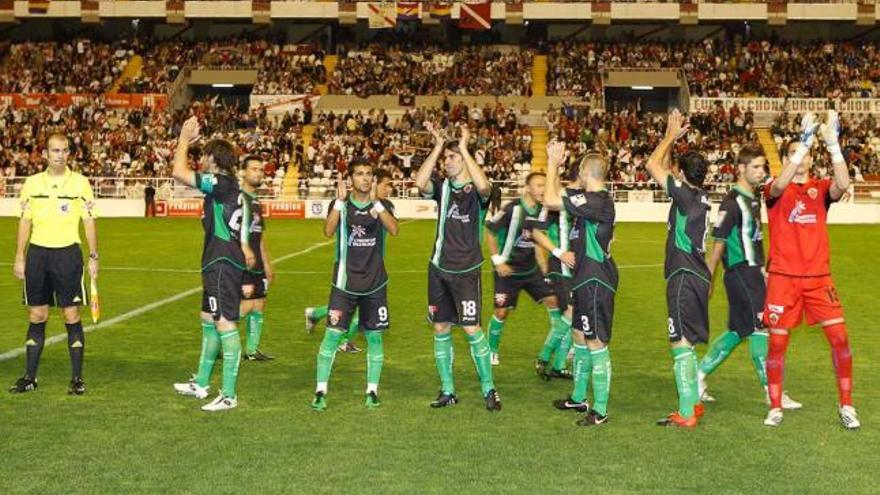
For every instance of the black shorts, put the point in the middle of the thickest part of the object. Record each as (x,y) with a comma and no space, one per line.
(454,297)
(507,289)
(260,284)
(746,293)
(221,291)
(593,313)
(687,301)
(561,287)
(373,310)
(54,277)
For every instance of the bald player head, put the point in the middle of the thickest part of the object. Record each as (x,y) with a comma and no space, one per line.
(57,152)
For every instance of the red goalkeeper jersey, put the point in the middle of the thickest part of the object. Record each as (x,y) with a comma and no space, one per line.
(798,229)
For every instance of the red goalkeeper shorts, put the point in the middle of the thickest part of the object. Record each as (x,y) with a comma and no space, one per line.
(790,298)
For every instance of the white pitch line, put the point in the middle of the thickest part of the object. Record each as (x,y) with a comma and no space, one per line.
(148,307)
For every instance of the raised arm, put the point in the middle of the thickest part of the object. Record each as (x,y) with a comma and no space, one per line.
(481,182)
(332,220)
(658,164)
(830,132)
(423,176)
(553,189)
(809,126)
(189,134)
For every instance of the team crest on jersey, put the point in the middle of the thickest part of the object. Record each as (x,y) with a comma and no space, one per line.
(500,299)
(467,189)
(334,315)
(773,318)
(813,193)
(374,213)
(64,208)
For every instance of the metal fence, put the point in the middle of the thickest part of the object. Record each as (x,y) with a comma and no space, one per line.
(166,188)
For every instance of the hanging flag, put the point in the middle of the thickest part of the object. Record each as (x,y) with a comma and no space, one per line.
(38,6)
(441,10)
(475,16)
(382,15)
(409,11)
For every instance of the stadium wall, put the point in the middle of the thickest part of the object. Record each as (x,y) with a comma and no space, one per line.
(634,211)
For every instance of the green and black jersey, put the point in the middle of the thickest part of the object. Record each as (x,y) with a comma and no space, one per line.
(359,267)
(226,220)
(512,227)
(739,227)
(458,240)
(557,226)
(687,229)
(592,230)
(256,231)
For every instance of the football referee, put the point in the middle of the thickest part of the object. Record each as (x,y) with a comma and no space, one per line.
(51,205)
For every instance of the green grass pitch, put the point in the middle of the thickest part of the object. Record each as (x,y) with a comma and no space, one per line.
(132,434)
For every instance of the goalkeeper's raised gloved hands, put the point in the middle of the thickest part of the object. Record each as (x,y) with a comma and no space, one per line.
(809,126)
(830,132)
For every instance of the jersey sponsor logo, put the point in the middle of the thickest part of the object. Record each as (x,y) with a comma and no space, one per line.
(358,238)
(455,214)
(797,214)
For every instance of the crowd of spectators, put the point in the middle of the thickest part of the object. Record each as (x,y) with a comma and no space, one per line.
(396,69)
(627,137)
(859,139)
(725,68)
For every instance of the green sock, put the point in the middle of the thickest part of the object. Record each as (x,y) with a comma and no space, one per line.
(254,330)
(601,379)
(496,327)
(319,312)
(582,368)
(560,359)
(443,358)
(352,331)
(684,368)
(758,345)
(375,359)
(231,343)
(326,355)
(210,350)
(554,336)
(480,353)
(719,351)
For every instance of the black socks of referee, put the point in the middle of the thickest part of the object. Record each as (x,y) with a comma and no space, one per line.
(76,343)
(36,338)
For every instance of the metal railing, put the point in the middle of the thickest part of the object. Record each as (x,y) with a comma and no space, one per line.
(167,188)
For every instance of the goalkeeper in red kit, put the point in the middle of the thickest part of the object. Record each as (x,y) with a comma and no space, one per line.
(799,281)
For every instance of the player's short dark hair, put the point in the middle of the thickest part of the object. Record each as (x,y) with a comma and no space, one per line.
(250,158)
(534,175)
(359,162)
(694,167)
(224,155)
(382,174)
(748,153)
(786,146)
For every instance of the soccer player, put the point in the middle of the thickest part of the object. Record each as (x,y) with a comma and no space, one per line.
(255,284)
(799,280)
(595,280)
(315,314)
(51,205)
(516,267)
(454,292)
(687,274)
(226,254)
(550,234)
(359,221)
(738,244)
